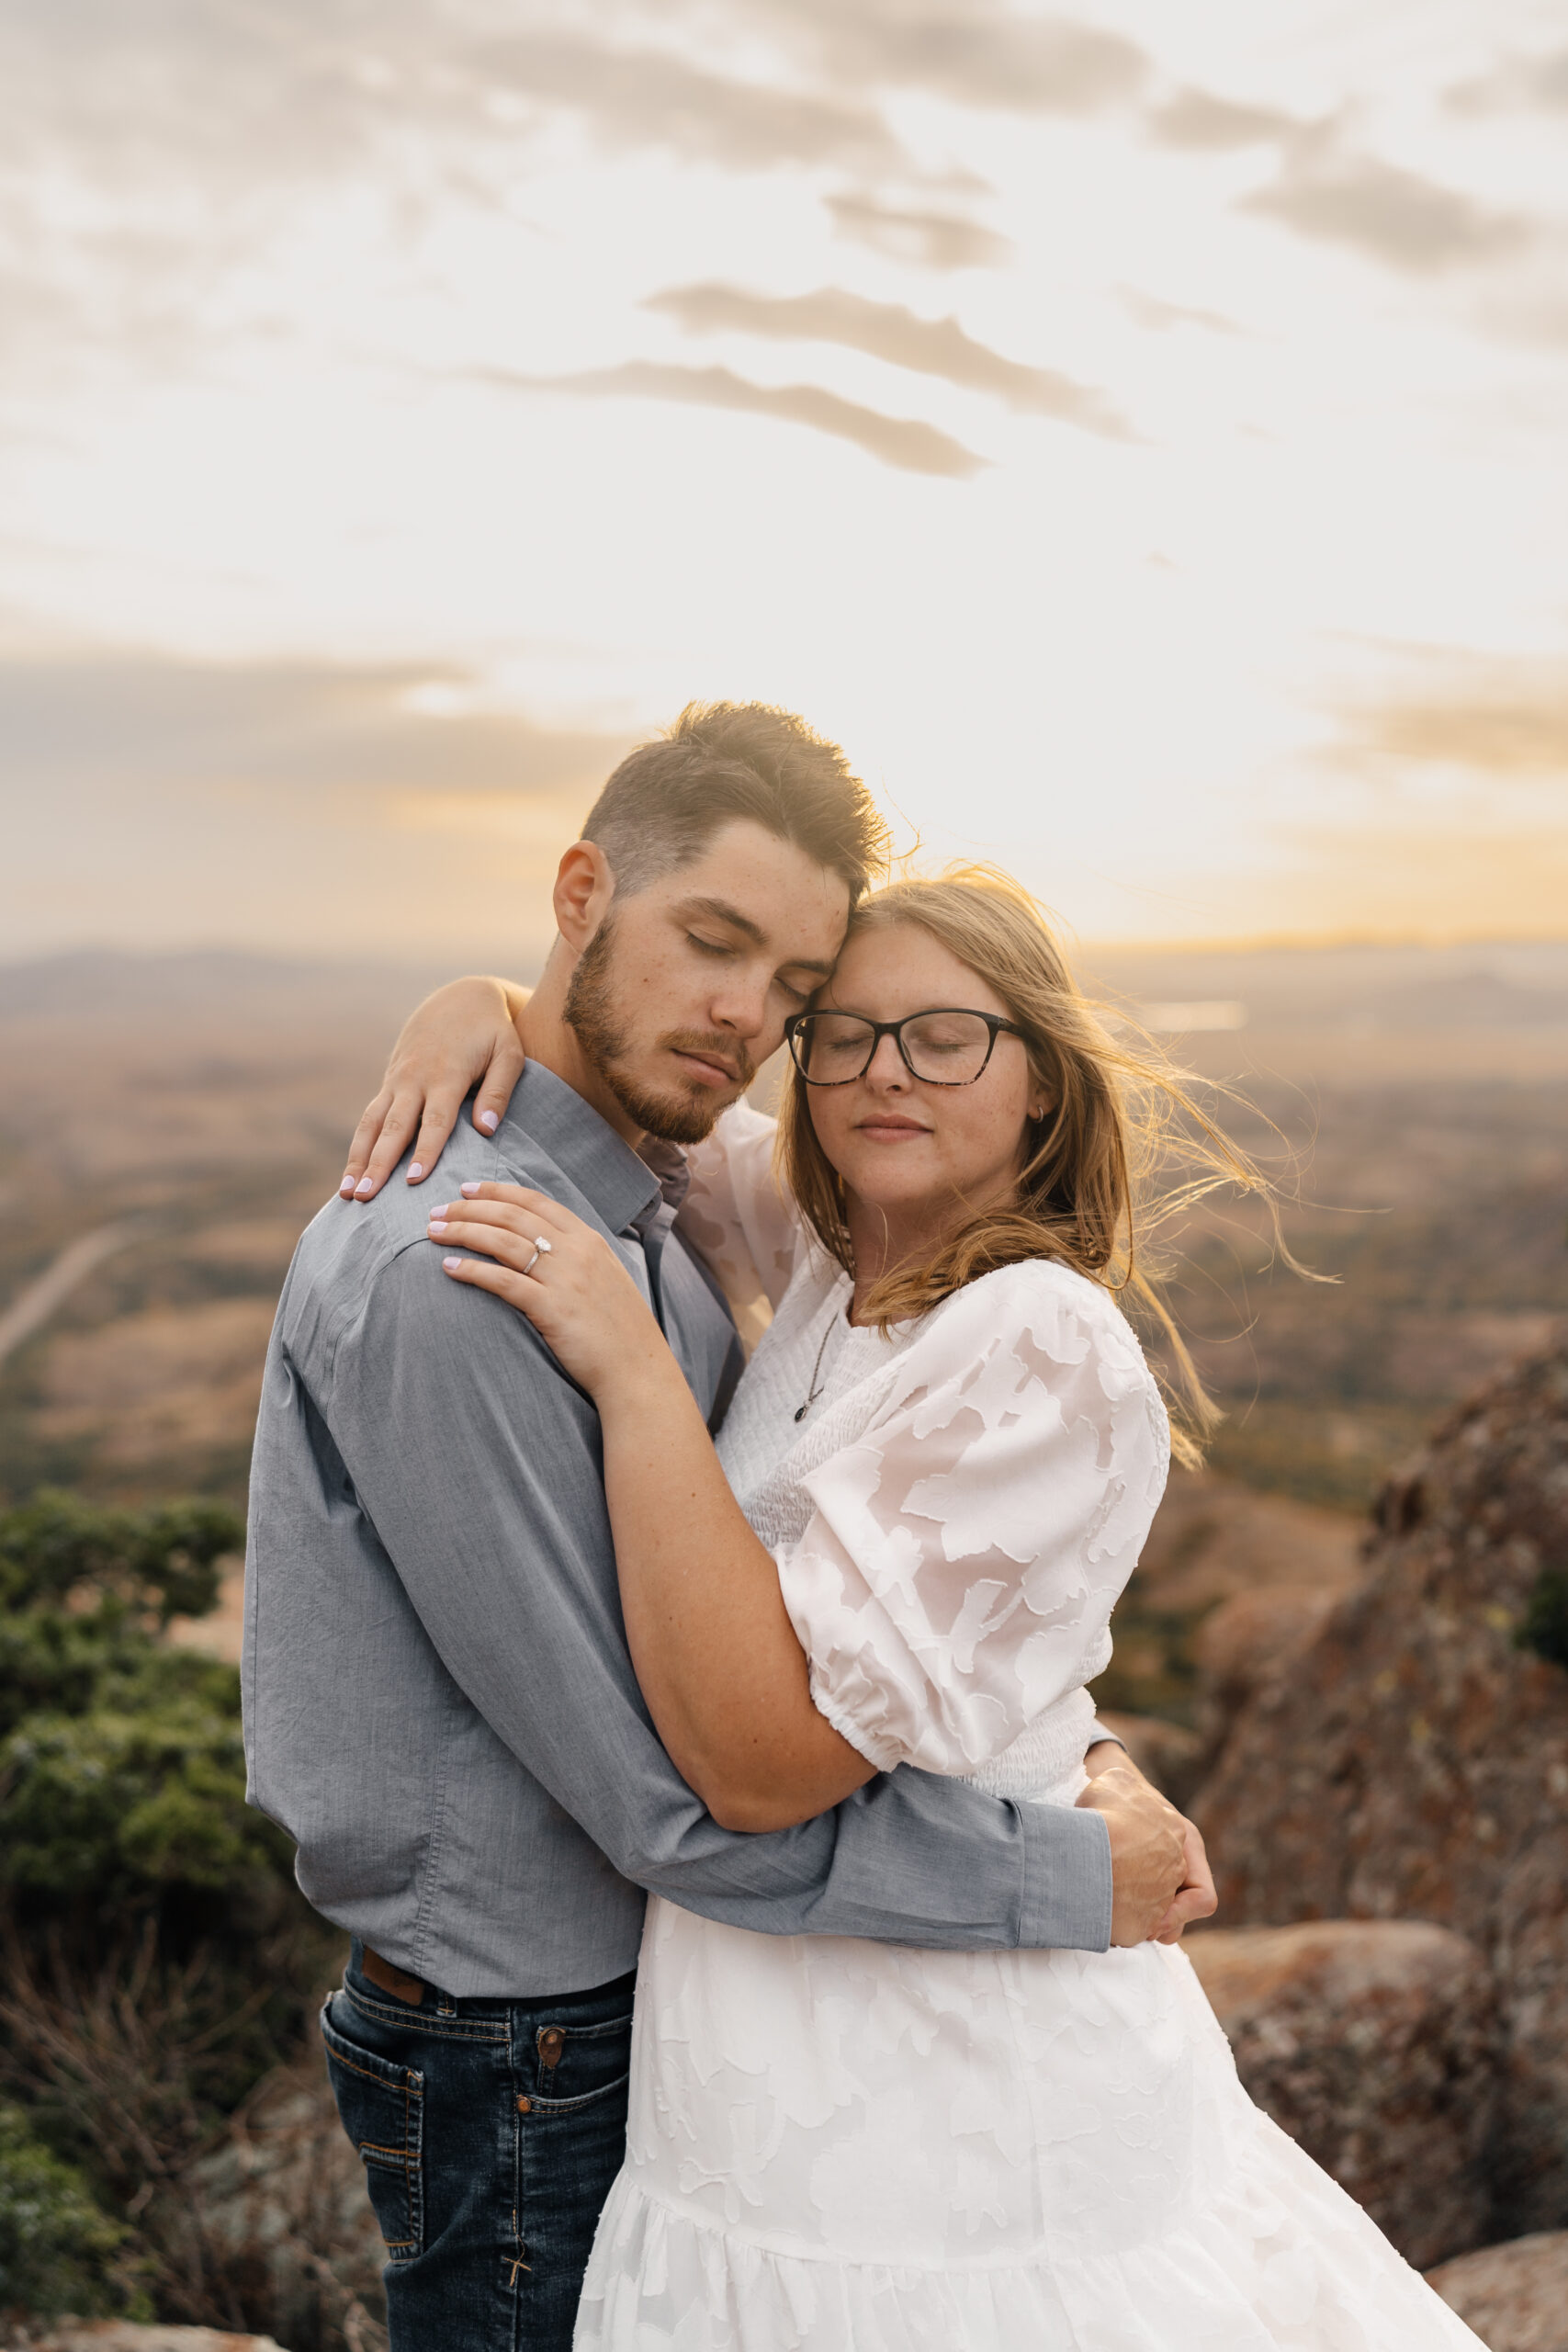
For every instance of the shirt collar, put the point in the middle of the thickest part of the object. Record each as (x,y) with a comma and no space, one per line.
(549,1114)
(671,1167)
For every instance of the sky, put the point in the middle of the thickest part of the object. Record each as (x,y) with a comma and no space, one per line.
(1139,436)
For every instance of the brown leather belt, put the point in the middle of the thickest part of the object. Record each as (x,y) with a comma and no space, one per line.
(392,1980)
(410,1989)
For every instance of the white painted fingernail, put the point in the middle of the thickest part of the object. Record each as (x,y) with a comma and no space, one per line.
(450,1265)
(488,1121)
(468,1191)
(416,1170)
(438,1225)
(364,1186)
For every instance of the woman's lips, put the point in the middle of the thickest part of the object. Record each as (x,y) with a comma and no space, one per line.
(891,1130)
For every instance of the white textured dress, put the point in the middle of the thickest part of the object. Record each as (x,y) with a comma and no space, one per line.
(853,2147)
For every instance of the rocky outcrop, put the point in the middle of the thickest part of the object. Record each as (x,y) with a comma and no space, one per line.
(1245,1644)
(124,2335)
(1374,2044)
(280,2215)
(1168,1754)
(1412,1762)
(1514,2296)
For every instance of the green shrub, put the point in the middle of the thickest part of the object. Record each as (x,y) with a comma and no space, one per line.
(56,2244)
(160,1562)
(1544,1626)
(122,1772)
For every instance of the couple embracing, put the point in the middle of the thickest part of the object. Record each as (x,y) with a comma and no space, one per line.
(583,1662)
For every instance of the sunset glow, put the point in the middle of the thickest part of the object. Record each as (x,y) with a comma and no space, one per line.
(1140,439)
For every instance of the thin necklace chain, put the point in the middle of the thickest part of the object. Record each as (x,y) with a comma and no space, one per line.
(814,1390)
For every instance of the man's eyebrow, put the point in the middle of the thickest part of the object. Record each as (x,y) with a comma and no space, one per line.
(720,911)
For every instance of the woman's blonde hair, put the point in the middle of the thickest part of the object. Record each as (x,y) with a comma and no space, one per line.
(1123,1145)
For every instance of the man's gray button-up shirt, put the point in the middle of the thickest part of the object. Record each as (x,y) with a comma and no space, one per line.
(439,1703)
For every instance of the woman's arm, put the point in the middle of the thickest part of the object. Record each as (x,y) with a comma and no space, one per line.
(464,1035)
(740,1220)
(724,1676)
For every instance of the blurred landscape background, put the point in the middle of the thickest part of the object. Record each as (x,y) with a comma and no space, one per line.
(168,1124)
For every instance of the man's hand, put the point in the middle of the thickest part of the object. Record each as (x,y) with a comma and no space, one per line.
(1159,1873)
(1195,1898)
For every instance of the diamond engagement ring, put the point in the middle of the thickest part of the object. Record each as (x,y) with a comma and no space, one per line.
(541,1250)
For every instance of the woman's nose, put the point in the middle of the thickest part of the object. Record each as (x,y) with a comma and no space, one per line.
(887,1066)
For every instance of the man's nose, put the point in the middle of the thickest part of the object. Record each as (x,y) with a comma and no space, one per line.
(741,1004)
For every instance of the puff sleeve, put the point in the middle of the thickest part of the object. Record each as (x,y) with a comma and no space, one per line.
(958,1572)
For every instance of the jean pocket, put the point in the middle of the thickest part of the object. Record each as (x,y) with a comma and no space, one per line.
(580,2065)
(382,2109)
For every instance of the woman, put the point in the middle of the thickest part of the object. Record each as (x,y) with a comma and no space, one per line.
(941,1462)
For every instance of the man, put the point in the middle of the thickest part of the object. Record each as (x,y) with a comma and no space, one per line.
(440,1707)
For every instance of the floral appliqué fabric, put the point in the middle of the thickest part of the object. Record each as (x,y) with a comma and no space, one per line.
(853,2147)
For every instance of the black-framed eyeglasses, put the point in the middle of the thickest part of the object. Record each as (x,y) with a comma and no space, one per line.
(948,1045)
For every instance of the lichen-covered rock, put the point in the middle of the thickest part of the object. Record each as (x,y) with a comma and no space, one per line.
(1513,2296)
(1412,1763)
(1248,1640)
(279,2212)
(1165,1753)
(1374,2044)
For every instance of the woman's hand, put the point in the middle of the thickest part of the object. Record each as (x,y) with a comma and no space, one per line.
(465,1034)
(575,1291)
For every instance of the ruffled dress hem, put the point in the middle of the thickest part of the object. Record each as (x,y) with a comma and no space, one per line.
(1279,2259)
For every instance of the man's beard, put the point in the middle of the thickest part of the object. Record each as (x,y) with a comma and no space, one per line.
(590,1012)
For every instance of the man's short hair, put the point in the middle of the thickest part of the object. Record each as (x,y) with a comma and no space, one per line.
(724,761)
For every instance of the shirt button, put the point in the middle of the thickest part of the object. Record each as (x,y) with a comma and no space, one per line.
(524,2106)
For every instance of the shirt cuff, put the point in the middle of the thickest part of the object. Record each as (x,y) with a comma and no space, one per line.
(1067,1892)
(1099,1732)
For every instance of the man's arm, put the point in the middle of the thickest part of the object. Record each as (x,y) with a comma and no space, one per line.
(477,1464)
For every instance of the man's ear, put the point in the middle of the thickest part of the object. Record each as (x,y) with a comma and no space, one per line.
(584,888)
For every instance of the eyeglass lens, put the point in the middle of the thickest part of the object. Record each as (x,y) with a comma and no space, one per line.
(947,1049)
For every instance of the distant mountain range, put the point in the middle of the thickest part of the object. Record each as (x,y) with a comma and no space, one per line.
(1505,985)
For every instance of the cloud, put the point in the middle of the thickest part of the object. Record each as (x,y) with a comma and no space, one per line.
(1151,310)
(905,442)
(981,54)
(888,331)
(314,806)
(934,240)
(1503,721)
(1325,191)
(134,719)
(633,98)
(1515,83)
(305,92)
(1197,118)
(1468,879)
(987,56)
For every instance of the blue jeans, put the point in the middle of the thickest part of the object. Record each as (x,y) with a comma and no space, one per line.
(489,2132)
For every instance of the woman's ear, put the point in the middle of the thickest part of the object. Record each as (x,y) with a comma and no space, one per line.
(585,885)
